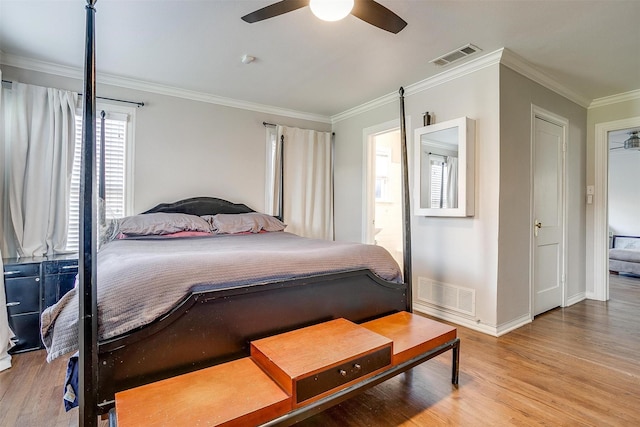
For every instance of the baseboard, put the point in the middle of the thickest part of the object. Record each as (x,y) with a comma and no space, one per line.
(513,324)
(495,331)
(581,296)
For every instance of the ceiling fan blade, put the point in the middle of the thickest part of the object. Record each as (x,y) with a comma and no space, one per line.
(376,14)
(275,9)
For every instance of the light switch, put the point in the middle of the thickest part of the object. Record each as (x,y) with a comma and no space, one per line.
(591,190)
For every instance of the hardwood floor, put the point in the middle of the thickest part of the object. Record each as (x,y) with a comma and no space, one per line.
(577,366)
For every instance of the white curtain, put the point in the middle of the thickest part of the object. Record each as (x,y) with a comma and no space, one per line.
(41,135)
(308,182)
(452,181)
(5,332)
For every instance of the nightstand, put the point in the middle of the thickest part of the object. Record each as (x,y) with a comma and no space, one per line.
(31,285)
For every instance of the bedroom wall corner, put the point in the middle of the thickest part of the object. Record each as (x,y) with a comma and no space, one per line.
(461,252)
(517,95)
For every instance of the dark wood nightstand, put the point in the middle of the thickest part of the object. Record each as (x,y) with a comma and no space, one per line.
(31,285)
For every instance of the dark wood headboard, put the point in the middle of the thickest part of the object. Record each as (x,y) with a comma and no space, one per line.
(201,206)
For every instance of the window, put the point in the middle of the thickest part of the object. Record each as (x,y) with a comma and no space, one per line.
(272,177)
(118,161)
(439,178)
(383,162)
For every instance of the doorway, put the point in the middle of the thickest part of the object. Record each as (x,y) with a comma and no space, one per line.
(382,224)
(599,289)
(548,211)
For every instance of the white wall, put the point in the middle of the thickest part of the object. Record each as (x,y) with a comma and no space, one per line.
(517,95)
(186,148)
(489,253)
(456,251)
(624,192)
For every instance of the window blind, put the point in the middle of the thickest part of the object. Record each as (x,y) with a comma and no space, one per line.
(439,178)
(115,168)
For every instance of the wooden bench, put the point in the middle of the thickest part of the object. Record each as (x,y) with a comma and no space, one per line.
(290,376)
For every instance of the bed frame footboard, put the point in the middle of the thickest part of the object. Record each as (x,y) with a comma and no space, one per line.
(214,326)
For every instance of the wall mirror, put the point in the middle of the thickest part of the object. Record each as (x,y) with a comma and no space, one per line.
(445,172)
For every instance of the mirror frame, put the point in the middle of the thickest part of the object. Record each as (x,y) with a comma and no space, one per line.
(466,168)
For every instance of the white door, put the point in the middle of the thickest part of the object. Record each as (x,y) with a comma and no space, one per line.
(548,215)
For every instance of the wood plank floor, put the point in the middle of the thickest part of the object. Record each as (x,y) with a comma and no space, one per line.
(577,366)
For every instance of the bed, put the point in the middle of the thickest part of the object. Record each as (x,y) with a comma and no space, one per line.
(175,295)
(209,325)
(624,255)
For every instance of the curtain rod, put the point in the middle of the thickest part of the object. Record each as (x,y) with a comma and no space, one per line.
(139,104)
(271,124)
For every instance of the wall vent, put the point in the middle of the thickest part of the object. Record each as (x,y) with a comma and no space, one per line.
(456,55)
(447,297)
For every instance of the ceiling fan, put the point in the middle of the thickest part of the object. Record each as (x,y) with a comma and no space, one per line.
(633,143)
(332,10)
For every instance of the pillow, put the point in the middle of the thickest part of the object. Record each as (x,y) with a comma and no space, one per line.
(238,223)
(122,236)
(161,223)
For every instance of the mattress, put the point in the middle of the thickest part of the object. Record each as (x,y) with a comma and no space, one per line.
(139,280)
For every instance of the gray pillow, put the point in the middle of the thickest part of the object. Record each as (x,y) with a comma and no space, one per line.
(161,223)
(253,222)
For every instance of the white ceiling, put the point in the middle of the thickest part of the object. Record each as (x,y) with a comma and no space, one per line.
(307,65)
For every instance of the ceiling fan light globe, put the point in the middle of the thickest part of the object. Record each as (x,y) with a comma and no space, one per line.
(331,10)
(633,143)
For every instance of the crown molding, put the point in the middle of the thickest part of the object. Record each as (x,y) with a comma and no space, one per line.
(114,80)
(443,77)
(614,99)
(470,67)
(522,66)
(501,56)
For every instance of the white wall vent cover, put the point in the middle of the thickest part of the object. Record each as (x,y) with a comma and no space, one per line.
(447,297)
(456,55)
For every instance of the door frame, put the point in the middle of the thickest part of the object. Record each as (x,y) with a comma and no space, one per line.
(600,260)
(564,124)
(368,180)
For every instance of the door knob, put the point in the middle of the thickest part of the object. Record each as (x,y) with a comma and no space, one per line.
(537,225)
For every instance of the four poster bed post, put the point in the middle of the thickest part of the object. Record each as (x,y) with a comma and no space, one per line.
(88,320)
(89,381)
(406,211)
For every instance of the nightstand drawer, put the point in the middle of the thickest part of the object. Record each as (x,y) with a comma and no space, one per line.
(23,295)
(59,276)
(21,270)
(61,266)
(26,327)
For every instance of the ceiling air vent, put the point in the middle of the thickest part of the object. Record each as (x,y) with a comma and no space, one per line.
(456,55)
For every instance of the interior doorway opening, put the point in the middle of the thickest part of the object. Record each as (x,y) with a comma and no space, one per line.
(623,201)
(383,189)
(598,287)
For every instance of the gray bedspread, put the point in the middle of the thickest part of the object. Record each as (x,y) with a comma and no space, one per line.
(139,280)
(629,255)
